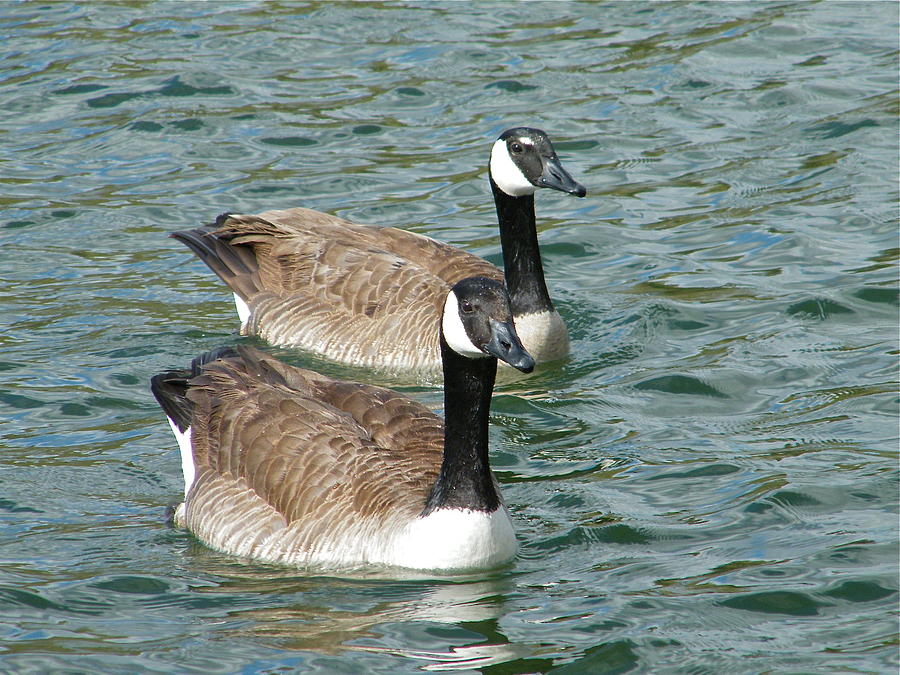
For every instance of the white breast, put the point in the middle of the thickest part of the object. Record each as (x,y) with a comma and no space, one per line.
(456,539)
(544,335)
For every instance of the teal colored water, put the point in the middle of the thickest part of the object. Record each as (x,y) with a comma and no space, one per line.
(708,485)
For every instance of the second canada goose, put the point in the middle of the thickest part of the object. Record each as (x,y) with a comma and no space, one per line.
(366,295)
(286,465)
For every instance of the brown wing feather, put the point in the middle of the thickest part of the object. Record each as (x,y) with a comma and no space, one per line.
(354,293)
(282,448)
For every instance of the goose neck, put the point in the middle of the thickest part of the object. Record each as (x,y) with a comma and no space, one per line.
(465,480)
(522,265)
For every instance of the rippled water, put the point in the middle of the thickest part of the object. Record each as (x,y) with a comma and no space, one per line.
(708,485)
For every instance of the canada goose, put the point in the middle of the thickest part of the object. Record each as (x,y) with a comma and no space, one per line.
(286,465)
(366,295)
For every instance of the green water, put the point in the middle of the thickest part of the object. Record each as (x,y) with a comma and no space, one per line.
(708,485)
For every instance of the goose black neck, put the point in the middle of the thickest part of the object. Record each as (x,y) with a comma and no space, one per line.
(521,255)
(465,480)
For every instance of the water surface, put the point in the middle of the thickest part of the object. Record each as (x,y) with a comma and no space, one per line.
(708,485)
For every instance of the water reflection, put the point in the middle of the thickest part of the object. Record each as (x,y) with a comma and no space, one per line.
(332,614)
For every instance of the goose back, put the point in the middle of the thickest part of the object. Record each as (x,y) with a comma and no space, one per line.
(353,293)
(261,429)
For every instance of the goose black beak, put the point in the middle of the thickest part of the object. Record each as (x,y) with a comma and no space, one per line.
(556,177)
(506,346)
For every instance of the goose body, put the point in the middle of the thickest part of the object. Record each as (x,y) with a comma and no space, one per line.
(286,465)
(366,295)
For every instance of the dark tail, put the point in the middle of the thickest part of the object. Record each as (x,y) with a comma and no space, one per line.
(235,264)
(170,388)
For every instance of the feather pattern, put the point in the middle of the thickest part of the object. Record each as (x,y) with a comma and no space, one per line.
(353,293)
(255,423)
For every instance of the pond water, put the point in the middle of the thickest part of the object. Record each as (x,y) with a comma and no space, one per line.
(708,484)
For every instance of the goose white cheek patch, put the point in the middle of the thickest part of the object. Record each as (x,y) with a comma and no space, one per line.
(506,174)
(454,331)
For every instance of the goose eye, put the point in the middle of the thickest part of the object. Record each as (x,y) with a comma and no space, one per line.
(515,147)
(467,307)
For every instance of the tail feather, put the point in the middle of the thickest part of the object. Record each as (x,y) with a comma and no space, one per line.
(170,390)
(170,387)
(235,264)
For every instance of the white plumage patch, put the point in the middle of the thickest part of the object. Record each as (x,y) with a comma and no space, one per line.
(242,309)
(455,333)
(446,539)
(455,539)
(506,174)
(543,334)
(187,454)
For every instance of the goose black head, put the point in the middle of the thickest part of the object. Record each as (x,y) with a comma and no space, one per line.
(478,323)
(523,160)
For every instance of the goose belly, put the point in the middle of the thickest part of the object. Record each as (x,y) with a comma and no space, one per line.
(399,345)
(446,539)
(543,334)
